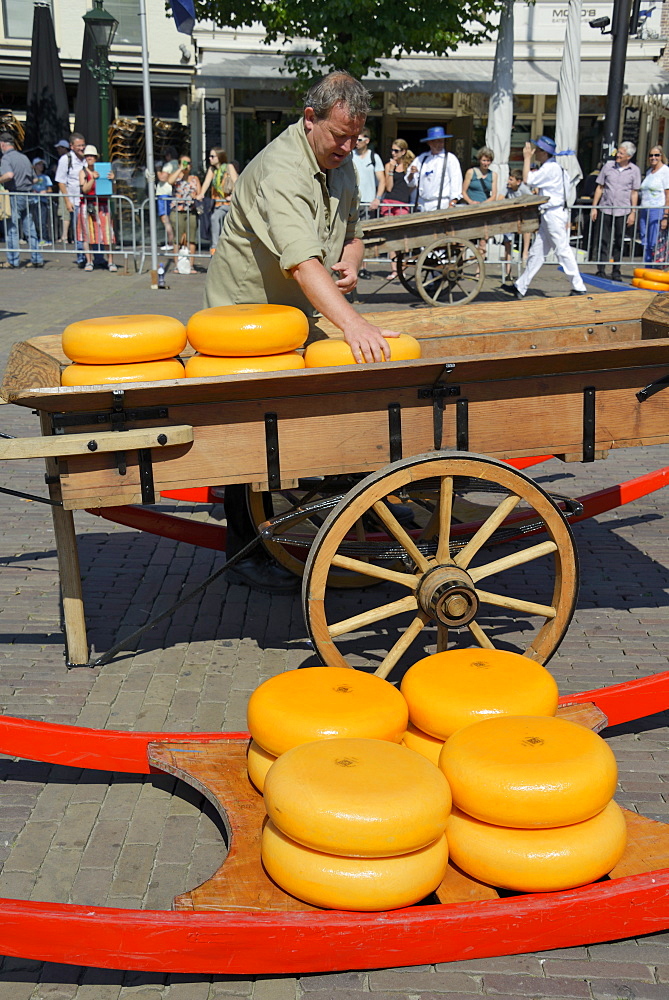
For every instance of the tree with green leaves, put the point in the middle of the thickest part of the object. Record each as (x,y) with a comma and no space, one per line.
(356,34)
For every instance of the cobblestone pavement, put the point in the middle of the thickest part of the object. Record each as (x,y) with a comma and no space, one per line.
(88,837)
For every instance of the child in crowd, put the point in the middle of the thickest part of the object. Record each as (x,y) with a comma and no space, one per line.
(42,185)
(164,202)
(514,189)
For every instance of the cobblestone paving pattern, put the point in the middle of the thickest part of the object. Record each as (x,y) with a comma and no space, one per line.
(88,837)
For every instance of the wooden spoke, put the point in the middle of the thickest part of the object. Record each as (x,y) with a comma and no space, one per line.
(442,638)
(515,559)
(380,572)
(480,635)
(488,528)
(375,615)
(445,514)
(402,644)
(501,601)
(398,532)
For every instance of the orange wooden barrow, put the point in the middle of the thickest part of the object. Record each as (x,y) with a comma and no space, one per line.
(240,923)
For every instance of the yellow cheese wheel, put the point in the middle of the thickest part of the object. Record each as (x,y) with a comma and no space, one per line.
(449,690)
(321,702)
(654,286)
(121,340)
(357,798)
(142,371)
(651,274)
(329,353)
(352,883)
(247,330)
(258,763)
(538,860)
(204,366)
(424,744)
(529,772)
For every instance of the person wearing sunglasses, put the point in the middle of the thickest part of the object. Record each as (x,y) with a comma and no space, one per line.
(654,211)
(398,197)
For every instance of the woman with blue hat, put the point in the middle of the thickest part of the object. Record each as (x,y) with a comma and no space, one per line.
(553,183)
(436,176)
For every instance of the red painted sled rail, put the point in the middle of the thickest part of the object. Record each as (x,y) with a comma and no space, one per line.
(213,536)
(241,943)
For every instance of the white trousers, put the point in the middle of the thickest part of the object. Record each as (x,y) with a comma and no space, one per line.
(552,235)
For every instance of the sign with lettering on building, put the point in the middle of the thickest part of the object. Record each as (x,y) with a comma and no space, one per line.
(212,121)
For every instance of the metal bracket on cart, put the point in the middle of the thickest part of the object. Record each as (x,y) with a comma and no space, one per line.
(657,386)
(437,392)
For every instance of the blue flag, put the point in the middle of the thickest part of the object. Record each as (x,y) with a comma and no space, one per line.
(183,12)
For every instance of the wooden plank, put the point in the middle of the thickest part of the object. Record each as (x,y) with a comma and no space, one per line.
(30,366)
(655,318)
(585,714)
(218,771)
(647,846)
(61,445)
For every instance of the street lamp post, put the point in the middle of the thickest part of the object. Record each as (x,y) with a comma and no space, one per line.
(103,27)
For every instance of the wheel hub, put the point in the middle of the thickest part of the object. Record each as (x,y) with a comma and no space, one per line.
(447,594)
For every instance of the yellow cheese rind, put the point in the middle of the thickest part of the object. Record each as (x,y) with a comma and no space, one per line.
(357,798)
(365,884)
(141,371)
(204,366)
(319,703)
(330,353)
(529,772)
(247,330)
(422,743)
(449,690)
(538,860)
(121,340)
(258,763)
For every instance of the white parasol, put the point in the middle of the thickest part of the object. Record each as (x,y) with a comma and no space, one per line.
(500,106)
(568,98)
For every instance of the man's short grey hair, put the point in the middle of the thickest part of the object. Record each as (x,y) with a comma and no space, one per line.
(341,89)
(628,147)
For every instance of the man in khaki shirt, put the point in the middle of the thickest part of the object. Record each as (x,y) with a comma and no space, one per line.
(293,224)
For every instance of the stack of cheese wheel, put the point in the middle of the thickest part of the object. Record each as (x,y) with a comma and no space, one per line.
(236,340)
(122,349)
(319,703)
(450,690)
(534,803)
(329,353)
(657,281)
(355,824)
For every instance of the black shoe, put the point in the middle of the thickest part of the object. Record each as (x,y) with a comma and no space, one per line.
(510,290)
(575,291)
(616,276)
(263,575)
(599,273)
(365,275)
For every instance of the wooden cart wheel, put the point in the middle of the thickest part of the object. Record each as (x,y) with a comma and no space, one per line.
(406,271)
(437,580)
(449,272)
(292,553)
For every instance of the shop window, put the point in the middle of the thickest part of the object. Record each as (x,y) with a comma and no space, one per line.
(17,17)
(425,99)
(593,105)
(126,13)
(262,99)
(254,131)
(130,102)
(550,104)
(523,104)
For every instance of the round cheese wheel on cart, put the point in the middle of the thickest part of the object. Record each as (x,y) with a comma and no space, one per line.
(205,366)
(452,689)
(352,883)
(529,772)
(357,798)
(318,703)
(118,340)
(258,763)
(141,371)
(538,860)
(331,353)
(247,330)
(422,743)
(652,274)
(653,286)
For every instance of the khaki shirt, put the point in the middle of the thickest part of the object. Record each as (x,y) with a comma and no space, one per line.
(284,211)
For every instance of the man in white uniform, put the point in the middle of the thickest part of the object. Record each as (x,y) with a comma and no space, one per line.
(436,176)
(552,182)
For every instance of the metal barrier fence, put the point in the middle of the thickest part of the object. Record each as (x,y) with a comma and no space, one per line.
(38,225)
(35,225)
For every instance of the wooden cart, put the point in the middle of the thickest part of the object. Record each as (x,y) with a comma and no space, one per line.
(390,473)
(437,253)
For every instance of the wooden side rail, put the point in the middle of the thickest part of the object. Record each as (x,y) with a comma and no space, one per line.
(61,445)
